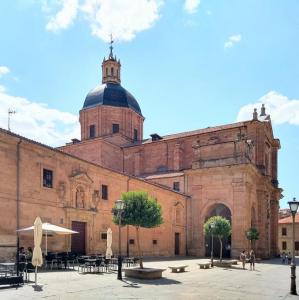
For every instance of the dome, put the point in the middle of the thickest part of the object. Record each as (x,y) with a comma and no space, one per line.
(111,94)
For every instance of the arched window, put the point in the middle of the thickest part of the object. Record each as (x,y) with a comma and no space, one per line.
(106,71)
(112,71)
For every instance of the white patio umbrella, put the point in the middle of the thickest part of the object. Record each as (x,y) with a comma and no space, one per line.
(50,228)
(37,257)
(109,243)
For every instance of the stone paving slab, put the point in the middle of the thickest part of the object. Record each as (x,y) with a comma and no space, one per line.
(271,280)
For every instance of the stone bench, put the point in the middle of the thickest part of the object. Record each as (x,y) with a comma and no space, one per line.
(224,263)
(206,265)
(145,273)
(177,269)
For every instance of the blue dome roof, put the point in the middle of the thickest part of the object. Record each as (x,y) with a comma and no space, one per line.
(113,95)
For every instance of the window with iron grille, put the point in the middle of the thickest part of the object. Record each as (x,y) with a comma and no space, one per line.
(131,241)
(296,246)
(284,245)
(135,135)
(47,178)
(283,231)
(92,131)
(115,128)
(155,242)
(103,235)
(176,186)
(104,192)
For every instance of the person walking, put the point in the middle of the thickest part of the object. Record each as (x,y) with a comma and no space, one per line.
(243,258)
(283,257)
(252,260)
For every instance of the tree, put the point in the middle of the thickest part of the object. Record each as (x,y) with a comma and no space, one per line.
(252,235)
(221,229)
(140,211)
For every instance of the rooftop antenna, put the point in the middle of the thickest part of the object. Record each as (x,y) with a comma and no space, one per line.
(10,112)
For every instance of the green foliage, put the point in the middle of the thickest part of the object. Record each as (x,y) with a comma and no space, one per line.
(252,234)
(222,227)
(140,210)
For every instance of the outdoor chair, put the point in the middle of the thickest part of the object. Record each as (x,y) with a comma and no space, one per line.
(106,264)
(29,269)
(81,264)
(70,260)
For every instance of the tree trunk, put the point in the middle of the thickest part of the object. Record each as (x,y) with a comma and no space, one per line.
(138,247)
(220,240)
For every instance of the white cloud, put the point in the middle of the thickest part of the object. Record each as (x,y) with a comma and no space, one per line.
(281,109)
(191,6)
(232,40)
(37,121)
(122,18)
(4,70)
(65,17)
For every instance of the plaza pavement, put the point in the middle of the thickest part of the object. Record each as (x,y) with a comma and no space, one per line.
(270,280)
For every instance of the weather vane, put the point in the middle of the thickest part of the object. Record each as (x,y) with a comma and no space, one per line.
(10,112)
(111,46)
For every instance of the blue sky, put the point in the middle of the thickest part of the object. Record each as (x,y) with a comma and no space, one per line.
(191,64)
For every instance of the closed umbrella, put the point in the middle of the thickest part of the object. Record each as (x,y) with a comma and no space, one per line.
(37,257)
(109,243)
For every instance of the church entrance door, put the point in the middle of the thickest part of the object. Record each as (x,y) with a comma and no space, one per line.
(78,239)
(223,211)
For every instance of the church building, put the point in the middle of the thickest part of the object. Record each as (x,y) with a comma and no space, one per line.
(228,170)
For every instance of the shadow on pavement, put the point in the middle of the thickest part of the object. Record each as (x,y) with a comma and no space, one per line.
(37,288)
(162,281)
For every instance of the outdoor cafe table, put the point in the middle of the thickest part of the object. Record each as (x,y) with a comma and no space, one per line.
(90,262)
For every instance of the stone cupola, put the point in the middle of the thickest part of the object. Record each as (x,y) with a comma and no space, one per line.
(111,68)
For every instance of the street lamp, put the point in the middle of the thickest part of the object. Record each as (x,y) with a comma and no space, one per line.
(212,226)
(119,205)
(293,207)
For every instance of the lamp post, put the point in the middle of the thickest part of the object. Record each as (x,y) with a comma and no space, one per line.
(293,207)
(119,205)
(212,226)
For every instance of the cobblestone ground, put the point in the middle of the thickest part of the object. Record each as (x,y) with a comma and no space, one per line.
(270,280)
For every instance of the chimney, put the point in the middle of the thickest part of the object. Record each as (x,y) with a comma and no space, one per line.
(263,111)
(254,115)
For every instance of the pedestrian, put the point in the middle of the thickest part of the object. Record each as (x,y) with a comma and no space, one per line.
(289,258)
(243,258)
(252,260)
(283,257)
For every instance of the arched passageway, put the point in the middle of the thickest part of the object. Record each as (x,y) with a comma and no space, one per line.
(223,211)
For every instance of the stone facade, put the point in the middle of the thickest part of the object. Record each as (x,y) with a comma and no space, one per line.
(75,196)
(228,170)
(285,235)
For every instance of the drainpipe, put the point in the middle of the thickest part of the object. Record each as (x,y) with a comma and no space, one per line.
(18,203)
(128,248)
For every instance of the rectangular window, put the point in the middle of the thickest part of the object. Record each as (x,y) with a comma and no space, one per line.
(284,245)
(47,178)
(296,246)
(103,235)
(131,241)
(104,192)
(92,131)
(115,128)
(155,242)
(135,135)
(176,186)
(283,231)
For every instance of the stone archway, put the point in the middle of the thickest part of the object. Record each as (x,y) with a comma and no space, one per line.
(223,211)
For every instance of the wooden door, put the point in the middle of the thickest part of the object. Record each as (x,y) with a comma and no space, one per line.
(177,243)
(78,239)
